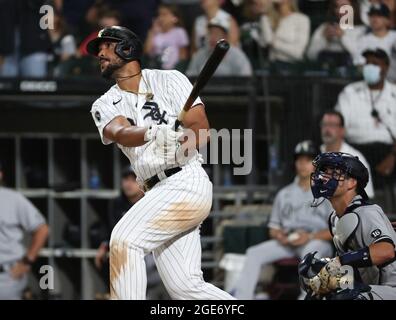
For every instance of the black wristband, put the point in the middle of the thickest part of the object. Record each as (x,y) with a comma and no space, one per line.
(27,261)
(359,258)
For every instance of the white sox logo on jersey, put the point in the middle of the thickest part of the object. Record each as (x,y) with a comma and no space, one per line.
(155,113)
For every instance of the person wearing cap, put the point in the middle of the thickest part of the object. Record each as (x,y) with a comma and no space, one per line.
(379,35)
(369,110)
(362,234)
(332,129)
(296,227)
(235,62)
(17,217)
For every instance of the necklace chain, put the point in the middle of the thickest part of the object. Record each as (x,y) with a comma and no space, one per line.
(149,95)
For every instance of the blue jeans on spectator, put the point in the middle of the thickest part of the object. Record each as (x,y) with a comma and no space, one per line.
(32,65)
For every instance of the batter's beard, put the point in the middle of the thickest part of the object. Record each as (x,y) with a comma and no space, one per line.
(111,68)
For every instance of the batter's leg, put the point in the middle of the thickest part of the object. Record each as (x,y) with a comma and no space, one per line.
(256,257)
(128,278)
(172,207)
(179,265)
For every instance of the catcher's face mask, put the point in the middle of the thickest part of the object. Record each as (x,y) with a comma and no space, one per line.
(324,182)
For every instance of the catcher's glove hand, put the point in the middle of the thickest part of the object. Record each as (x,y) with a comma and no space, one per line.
(328,279)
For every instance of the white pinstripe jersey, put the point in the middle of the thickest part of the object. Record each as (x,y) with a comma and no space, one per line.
(170,90)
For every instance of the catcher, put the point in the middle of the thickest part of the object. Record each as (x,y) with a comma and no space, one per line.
(365,268)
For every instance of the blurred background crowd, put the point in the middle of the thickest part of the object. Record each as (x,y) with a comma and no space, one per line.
(280,36)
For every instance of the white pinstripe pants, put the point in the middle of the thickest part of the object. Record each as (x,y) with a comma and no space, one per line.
(166,222)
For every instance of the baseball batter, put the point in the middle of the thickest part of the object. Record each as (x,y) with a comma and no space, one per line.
(138,114)
(362,234)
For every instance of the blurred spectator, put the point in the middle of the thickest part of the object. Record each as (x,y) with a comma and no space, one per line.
(330,44)
(251,38)
(235,62)
(316,10)
(189,9)
(137,15)
(289,36)
(17,217)
(24,44)
(365,6)
(332,127)
(296,226)
(74,13)
(213,11)
(392,7)
(167,41)
(380,35)
(369,110)
(106,18)
(63,43)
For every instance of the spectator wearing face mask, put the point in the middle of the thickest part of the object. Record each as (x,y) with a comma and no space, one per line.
(369,109)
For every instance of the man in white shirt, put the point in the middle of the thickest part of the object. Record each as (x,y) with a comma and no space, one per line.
(333,134)
(369,110)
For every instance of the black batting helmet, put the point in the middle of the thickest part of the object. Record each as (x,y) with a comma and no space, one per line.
(129,47)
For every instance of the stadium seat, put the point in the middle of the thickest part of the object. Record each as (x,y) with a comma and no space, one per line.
(285,285)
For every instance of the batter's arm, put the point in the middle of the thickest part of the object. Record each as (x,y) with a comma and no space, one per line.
(196,120)
(119,130)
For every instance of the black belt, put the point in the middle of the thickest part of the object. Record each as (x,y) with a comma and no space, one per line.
(151,182)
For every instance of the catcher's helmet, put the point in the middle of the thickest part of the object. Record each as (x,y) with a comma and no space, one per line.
(348,164)
(306,148)
(129,47)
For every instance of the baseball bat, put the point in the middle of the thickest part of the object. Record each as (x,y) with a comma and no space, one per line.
(206,73)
